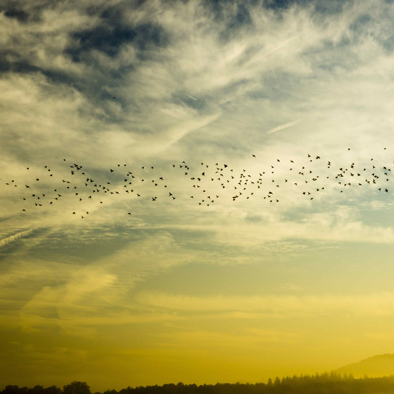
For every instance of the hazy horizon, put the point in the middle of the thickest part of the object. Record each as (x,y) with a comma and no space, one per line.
(186,282)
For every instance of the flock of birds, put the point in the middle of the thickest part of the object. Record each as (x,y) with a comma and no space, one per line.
(207,182)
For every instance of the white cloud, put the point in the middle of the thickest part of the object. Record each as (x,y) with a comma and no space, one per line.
(204,96)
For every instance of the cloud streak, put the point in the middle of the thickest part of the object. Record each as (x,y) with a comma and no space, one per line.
(12,238)
(273,306)
(283,126)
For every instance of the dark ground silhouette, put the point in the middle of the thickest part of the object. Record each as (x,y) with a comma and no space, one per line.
(326,383)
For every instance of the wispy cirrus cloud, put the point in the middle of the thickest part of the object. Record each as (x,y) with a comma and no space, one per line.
(275,306)
(12,238)
(283,126)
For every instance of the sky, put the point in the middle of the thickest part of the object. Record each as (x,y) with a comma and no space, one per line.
(234,268)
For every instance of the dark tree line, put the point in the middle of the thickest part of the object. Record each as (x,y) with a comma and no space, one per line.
(72,388)
(327,383)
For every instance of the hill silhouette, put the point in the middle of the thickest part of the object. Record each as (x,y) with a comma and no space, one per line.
(375,366)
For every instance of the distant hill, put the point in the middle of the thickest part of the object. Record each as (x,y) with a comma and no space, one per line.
(382,365)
